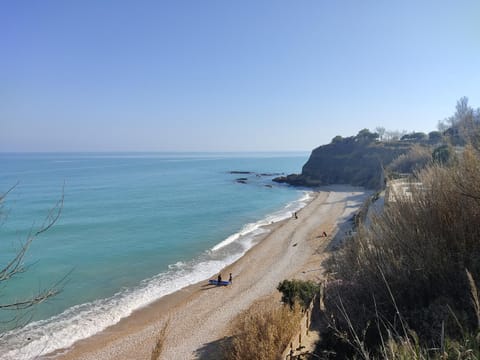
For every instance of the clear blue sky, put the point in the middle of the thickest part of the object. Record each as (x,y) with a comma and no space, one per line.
(229,75)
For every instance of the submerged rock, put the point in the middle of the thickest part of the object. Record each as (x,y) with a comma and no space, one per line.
(271,174)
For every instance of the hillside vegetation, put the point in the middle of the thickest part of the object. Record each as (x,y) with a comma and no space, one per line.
(361,160)
(356,160)
(411,276)
(406,285)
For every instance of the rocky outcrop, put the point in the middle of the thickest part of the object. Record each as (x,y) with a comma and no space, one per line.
(354,161)
(252,176)
(238,172)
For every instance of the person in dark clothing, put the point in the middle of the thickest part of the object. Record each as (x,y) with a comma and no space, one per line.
(219,279)
(230,278)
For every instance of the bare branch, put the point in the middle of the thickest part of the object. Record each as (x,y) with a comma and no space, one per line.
(53,214)
(4,195)
(15,266)
(39,298)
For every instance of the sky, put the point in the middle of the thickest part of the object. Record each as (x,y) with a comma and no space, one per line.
(181,75)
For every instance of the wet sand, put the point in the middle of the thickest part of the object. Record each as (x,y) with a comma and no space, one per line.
(199,315)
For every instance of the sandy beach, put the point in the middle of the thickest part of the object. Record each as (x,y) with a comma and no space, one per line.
(199,316)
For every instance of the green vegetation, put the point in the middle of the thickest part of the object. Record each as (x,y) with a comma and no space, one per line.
(361,160)
(406,279)
(442,154)
(405,287)
(435,137)
(414,136)
(298,291)
(356,160)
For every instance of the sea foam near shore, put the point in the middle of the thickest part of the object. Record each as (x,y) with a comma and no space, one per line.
(82,321)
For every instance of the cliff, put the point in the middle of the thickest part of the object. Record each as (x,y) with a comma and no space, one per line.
(356,160)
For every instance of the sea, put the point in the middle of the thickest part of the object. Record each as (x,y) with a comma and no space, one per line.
(133,227)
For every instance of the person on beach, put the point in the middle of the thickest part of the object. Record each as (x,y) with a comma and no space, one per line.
(296,217)
(219,279)
(230,278)
(324,234)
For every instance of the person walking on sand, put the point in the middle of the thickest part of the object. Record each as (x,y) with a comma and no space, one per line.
(219,279)
(296,217)
(230,278)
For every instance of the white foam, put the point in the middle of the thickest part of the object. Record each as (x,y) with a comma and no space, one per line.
(254,229)
(251,229)
(82,321)
(177,265)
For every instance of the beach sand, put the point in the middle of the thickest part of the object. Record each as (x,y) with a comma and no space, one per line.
(199,316)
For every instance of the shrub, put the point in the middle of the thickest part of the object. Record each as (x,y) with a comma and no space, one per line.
(435,137)
(263,331)
(409,266)
(442,154)
(298,291)
(414,136)
(415,159)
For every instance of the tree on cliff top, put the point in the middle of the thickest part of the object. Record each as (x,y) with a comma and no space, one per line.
(337,139)
(464,125)
(414,136)
(366,136)
(381,132)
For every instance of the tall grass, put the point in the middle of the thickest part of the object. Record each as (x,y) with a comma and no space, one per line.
(416,158)
(416,252)
(263,331)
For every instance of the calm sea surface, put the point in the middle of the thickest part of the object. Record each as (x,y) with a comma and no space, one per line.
(133,228)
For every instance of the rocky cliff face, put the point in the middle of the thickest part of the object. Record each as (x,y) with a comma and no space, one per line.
(352,160)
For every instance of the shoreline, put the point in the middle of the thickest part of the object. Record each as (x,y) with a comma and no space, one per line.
(89,319)
(291,247)
(142,317)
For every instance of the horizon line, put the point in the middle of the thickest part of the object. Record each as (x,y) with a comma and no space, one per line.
(155,152)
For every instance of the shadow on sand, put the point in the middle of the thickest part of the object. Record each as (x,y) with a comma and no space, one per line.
(209,286)
(214,349)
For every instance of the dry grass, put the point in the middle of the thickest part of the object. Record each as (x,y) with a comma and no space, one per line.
(263,331)
(475,299)
(416,252)
(416,158)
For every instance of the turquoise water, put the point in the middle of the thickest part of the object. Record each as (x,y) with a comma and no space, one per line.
(133,228)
